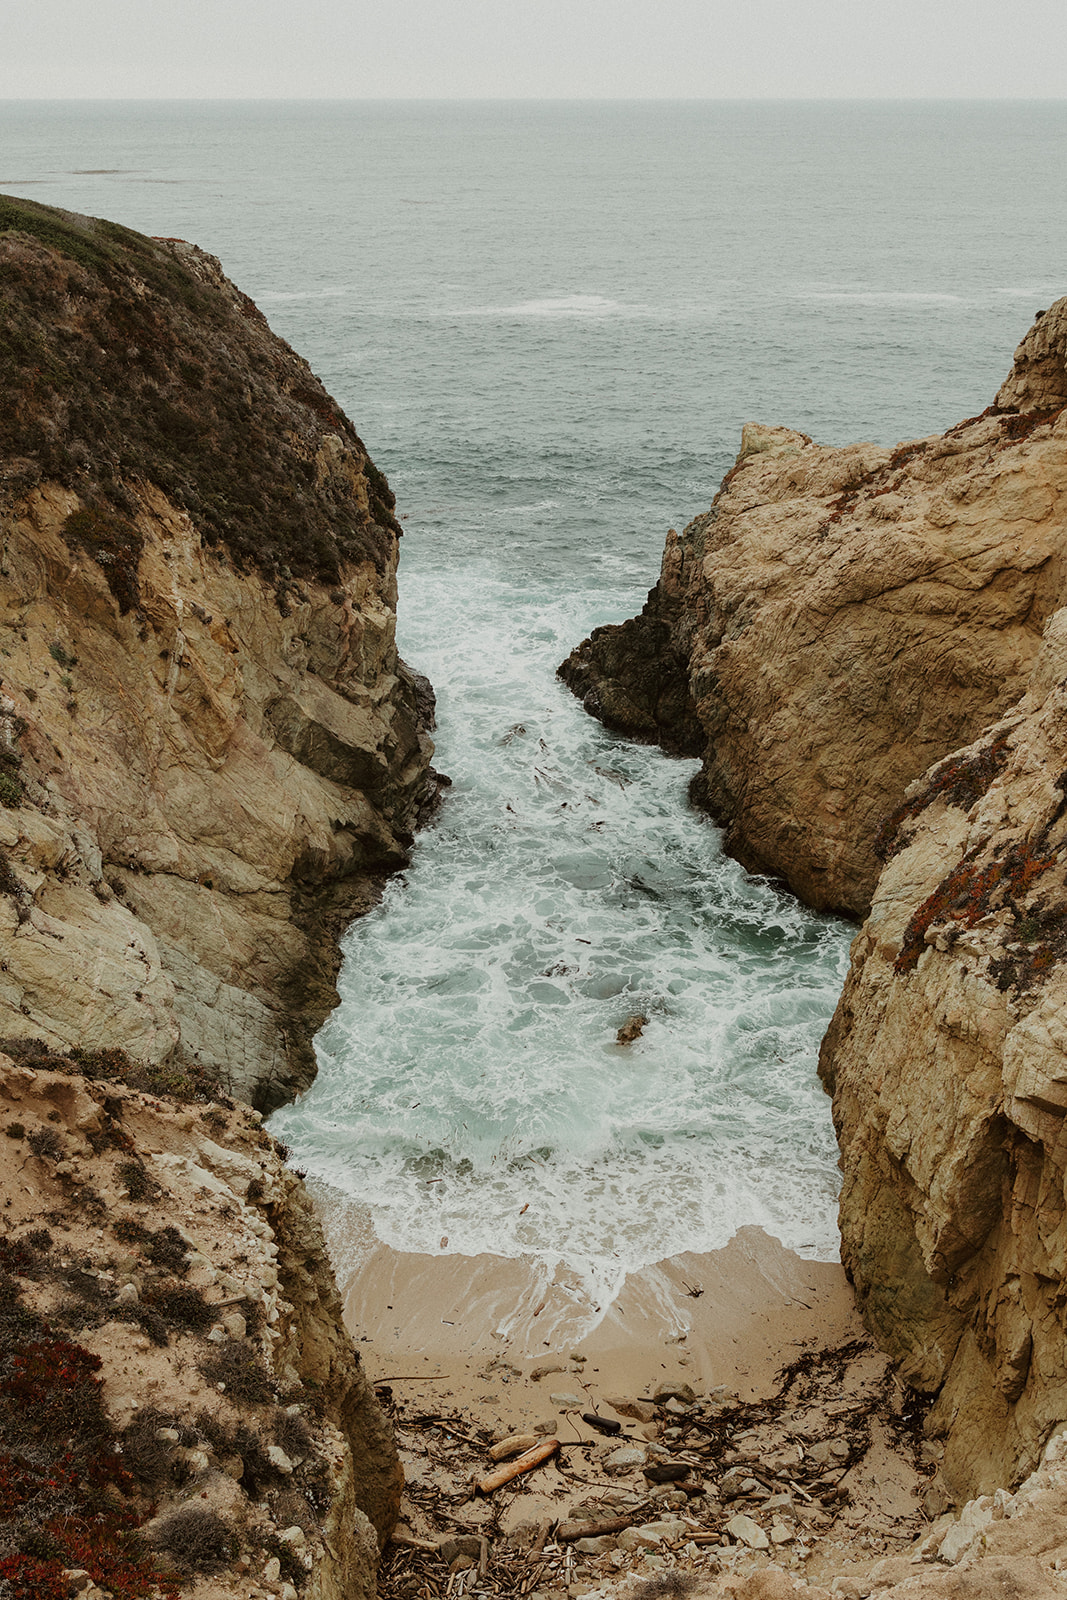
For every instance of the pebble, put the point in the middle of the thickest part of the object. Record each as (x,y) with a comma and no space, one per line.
(545,1370)
(639,1410)
(626,1456)
(567,1402)
(294,1536)
(745,1531)
(279,1460)
(272,1570)
(676,1390)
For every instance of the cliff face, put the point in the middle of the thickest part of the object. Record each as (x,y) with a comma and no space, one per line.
(211,750)
(844,619)
(837,621)
(947,1059)
(947,1056)
(210,755)
(164,1275)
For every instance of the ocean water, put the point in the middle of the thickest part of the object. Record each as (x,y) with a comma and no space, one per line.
(549,322)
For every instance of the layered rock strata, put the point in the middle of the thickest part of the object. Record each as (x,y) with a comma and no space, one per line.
(211,749)
(840,619)
(210,756)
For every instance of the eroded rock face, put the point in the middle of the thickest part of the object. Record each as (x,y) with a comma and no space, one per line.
(213,752)
(837,621)
(947,1059)
(181,1255)
(840,613)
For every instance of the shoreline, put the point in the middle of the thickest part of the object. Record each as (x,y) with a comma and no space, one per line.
(731,1318)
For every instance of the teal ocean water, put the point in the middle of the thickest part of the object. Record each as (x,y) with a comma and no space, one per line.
(549,322)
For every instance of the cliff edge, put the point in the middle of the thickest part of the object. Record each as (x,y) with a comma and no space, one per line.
(210,756)
(211,751)
(839,620)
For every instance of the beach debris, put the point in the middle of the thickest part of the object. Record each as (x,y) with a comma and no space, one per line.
(601,1424)
(567,1402)
(637,1410)
(744,1530)
(727,1484)
(536,1457)
(631,1030)
(571,1532)
(674,1390)
(667,1471)
(514,1445)
(545,1369)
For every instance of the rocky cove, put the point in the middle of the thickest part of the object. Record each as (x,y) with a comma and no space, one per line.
(213,756)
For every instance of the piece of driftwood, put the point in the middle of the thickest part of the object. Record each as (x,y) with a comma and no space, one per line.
(515,1469)
(568,1532)
(513,1445)
(409,1542)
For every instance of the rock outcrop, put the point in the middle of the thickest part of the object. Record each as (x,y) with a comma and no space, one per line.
(875,649)
(163,1277)
(947,1059)
(840,619)
(211,751)
(210,756)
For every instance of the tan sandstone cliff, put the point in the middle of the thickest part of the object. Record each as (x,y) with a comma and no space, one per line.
(837,621)
(210,756)
(844,618)
(159,1262)
(211,749)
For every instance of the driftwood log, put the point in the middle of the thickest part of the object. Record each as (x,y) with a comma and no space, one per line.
(514,1469)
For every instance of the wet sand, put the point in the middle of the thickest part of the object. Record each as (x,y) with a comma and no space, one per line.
(471,1330)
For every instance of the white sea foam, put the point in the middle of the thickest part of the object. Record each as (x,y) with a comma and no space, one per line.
(568,305)
(470,1086)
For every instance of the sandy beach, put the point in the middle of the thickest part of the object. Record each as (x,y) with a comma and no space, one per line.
(732,1317)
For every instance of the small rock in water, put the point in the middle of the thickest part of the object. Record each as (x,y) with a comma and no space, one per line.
(631,1030)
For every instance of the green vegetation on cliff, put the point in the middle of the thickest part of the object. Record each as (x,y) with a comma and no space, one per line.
(125,359)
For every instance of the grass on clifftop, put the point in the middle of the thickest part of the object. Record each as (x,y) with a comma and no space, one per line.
(126,359)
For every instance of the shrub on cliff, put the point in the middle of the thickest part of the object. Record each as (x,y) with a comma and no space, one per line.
(127,359)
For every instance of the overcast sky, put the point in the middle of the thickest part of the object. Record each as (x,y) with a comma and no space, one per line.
(360,49)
